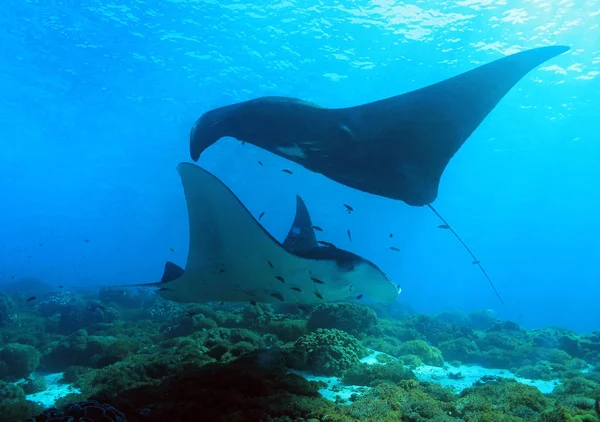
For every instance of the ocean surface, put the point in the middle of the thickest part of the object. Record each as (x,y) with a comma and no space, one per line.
(98,98)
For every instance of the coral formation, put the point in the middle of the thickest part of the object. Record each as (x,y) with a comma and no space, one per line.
(327,352)
(86,411)
(7,311)
(18,361)
(77,349)
(352,318)
(368,374)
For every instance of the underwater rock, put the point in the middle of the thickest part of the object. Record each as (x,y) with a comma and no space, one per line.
(117,351)
(568,414)
(355,319)
(427,354)
(81,316)
(148,367)
(288,330)
(475,320)
(18,361)
(453,317)
(251,388)
(9,391)
(326,352)
(8,311)
(430,329)
(56,304)
(18,410)
(482,319)
(163,310)
(258,315)
(501,400)
(578,387)
(462,349)
(34,385)
(88,411)
(541,371)
(121,297)
(371,374)
(78,349)
(231,336)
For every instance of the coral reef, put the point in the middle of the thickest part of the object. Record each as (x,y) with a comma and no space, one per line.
(155,360)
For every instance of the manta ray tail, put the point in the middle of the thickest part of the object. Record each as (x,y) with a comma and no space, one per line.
(475,260)
(171,272)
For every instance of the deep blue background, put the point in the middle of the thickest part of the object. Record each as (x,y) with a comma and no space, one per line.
(97,100)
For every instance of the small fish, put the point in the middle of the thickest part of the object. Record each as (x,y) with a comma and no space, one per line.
(395,249)
(86,240)
(60,286)
(261,215)
(476,262)
(316,280)
(444,226)
(348,208)
(253,303)
(41,244)
(221,303)
(349,235)
(221,270)
(260,162)
(277,296)
(102,308)
(391,235)
(303,308)
(359,297)
(280,278)
(317,294)
(324,243)
(270,265)
(317,228)
(287,171)
(172,249)
(297,289)
(398,287)
(351,287)
(30,299)
(243,142)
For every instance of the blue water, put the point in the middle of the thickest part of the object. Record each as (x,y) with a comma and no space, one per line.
(98,99)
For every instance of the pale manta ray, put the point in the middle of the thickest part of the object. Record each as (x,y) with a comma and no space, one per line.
(232,258)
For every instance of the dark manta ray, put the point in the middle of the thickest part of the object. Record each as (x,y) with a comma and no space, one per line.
(397,147)
(232,258)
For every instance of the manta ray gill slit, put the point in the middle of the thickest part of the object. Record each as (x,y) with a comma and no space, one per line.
(475,260)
